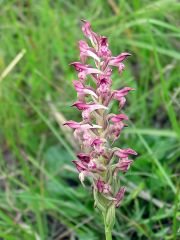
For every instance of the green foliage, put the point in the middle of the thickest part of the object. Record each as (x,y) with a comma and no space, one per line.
(40,194)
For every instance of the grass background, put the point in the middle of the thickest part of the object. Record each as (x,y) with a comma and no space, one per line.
(40,194)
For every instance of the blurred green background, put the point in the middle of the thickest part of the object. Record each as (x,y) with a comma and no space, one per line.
(40,194)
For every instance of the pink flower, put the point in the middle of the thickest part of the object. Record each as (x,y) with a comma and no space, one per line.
(115,130)
(118,118)
(103,90)
(104,84)
(72,124)
(90,109)
(79,165)
(124,153)
(104,79)
(122,102)
(86,28)
(114,61)
(80,105)
(117,61)
(123,165)
(103,187)
(87,138)
(100,185)
(108,72)
(82,169)
(119,196)
(121,68)
(84,70)
(75,125)
(82,90)
(118,94)
(86,51)
(97,144)
(103,51)
(84,166)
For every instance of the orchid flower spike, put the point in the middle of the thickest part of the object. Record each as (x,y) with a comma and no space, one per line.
(99,129)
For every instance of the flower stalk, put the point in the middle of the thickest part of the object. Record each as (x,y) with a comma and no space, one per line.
(108,231)
(99,128)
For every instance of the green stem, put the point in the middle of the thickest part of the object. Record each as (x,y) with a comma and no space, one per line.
(108,233)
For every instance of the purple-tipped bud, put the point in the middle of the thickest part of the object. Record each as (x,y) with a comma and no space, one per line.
(119,196)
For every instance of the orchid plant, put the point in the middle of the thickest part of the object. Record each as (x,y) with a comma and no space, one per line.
(99,129)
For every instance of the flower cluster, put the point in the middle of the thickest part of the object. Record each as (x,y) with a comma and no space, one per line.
(99,129)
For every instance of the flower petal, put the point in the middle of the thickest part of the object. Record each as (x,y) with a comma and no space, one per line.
(81,105)
(72,124)
(114,61)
